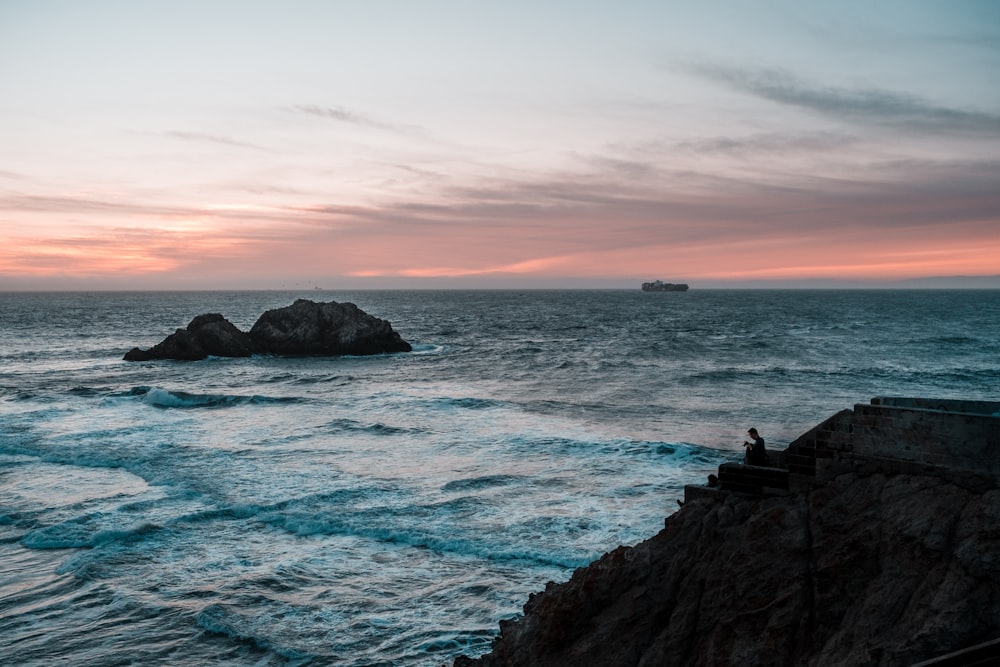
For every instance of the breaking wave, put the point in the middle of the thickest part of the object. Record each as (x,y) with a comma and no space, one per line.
(159,397)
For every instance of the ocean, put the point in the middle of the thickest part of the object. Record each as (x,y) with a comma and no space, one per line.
(392,509)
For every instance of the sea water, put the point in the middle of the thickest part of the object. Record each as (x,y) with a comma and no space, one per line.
(391,510)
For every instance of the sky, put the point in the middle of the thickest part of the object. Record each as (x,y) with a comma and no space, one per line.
(217,144)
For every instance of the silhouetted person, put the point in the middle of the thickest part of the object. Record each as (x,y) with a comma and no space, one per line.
(756,455)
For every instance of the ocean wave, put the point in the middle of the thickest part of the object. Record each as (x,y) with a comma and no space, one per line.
(468,403)
(227,621)
(80,533)
(232,512)
(377,428)
(326,379)
(428,348)
(19,395)
(299,379)
(445,527)
(376,514)
(86,392)
(479,546)
(476,483)
(159,397)
(337,498)
(86,458)
(948,340)
(675,451)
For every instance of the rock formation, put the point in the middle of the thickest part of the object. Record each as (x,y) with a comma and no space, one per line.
(310,328)
(873,562)
(209,334)
(305,328)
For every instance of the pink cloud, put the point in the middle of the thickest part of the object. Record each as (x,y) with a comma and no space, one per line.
(917,220)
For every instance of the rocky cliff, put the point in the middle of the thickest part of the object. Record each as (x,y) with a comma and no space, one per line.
(860,567)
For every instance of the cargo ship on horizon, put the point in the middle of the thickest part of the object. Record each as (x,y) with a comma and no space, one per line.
(660,286)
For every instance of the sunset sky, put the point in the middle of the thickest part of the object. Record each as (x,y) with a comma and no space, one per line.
(424,143)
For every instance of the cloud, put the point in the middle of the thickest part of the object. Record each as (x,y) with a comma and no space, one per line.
(859,105)
(343,115)
(104,207)
(773,143)
(211,138)
(886,214)
(499,225)
(576,210)
(71,204)
(337,113)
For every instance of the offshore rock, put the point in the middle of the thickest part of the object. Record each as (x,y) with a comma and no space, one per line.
(865,569)
(209,334)
(304,328)
(310,328)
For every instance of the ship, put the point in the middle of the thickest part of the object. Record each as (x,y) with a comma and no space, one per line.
(660,286)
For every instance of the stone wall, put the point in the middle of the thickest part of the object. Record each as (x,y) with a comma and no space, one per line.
(822,441)
(902,435)
(955,440)
(989,408)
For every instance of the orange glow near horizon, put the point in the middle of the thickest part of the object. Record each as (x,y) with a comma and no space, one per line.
(274,244)
(118,253)
(914,261)
(676,263)
(81,257)
(171,252)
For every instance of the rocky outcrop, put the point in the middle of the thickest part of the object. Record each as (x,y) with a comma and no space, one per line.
(862,569)
(210,334)
(310,328)
(305,328)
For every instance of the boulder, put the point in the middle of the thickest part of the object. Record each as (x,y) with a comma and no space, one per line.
(305,328)
(209,334)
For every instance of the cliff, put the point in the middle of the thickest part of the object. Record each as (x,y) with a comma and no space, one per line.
(867,559)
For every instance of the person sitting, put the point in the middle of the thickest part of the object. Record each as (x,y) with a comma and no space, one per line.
(755,455)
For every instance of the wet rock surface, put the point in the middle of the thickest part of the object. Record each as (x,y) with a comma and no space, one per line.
(210,334)
(305,328)
(310,328)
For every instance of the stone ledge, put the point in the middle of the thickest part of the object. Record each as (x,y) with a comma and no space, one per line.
(752,479)
(693,492)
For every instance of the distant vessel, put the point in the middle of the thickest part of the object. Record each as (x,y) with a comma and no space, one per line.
(660,286)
